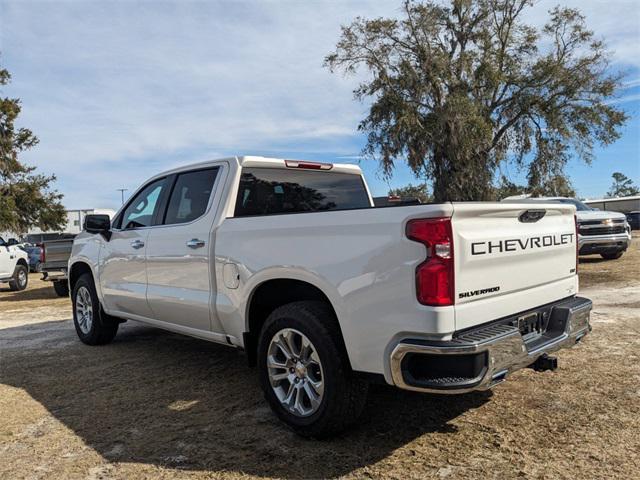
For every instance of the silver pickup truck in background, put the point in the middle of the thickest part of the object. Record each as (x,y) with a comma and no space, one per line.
(55,265)
(603,233)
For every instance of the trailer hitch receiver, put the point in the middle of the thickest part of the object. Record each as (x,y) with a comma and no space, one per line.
(545,362)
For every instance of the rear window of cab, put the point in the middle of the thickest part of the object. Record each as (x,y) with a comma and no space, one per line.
(269,191)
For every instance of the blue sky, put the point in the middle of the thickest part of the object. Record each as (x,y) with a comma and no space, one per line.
(119,91)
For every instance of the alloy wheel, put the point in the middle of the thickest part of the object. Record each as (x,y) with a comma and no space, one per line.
(84,310)
(22,278)
(295,372)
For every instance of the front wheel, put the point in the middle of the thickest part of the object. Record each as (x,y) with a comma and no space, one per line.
(611,256)
(20,278)
(305,373)
(93,326)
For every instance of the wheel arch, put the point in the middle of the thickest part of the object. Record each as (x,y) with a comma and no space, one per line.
(76,270)
(272,293)
(23,262)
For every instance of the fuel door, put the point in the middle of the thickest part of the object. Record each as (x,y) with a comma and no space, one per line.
(231,275)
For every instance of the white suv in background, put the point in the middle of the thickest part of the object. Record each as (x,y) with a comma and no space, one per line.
(14,265)
(605,233)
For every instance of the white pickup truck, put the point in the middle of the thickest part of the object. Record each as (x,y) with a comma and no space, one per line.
(289,261)
(14,265)
(605,233)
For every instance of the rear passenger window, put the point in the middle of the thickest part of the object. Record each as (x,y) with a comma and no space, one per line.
(190,196)
(265,191)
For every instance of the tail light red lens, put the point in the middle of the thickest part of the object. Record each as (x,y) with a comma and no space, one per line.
(41,245)
(435,283)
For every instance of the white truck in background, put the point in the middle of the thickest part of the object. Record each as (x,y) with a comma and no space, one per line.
(14,265)
(604,233)
(289,261)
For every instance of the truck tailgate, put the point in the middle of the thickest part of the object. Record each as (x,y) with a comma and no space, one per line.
(57,253)
(508,260)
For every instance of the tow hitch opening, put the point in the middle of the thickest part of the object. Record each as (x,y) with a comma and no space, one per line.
(545,362)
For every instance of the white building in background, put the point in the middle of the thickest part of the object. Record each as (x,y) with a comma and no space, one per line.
(617,204)
(75,220)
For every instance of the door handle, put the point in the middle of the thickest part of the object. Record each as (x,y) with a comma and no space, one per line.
(195,243)
(137,244)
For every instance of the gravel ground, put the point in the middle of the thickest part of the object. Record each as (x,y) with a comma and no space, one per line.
(158,405)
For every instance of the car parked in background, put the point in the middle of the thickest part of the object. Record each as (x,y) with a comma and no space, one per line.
(633,218)
(36,256)
(605,233)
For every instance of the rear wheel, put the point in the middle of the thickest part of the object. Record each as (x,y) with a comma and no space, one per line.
(61,287)
(611,256)
(305,373)
(93,326)
(20,278)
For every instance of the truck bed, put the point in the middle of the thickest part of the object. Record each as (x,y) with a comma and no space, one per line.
(371,276)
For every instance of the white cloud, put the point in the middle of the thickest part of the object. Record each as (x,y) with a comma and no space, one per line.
(631,83)
(625,99)
(117,91)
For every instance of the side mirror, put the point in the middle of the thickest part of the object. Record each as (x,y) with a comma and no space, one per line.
(98,223)
(12,241)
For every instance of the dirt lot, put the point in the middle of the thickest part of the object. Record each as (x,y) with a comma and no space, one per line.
(158,405)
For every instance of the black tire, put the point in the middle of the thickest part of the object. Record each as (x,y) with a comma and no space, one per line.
(38,268)
(103,327)
(20,278)
(611,256)
(344,395)
(61,287)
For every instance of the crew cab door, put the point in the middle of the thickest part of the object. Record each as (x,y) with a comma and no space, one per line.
(181,285)
(123,275)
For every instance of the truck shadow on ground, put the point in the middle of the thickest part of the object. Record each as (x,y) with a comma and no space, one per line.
(37,290)
(164,399)
(39,293)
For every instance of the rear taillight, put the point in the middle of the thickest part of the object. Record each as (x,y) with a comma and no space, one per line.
(41,245)
(435,284)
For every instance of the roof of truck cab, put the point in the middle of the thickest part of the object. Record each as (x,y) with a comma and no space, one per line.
(266,162)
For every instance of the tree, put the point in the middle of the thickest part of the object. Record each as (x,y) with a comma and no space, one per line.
(507,188)
(419,192)
(26,199)
(456,90)
(555,186)
(622,186)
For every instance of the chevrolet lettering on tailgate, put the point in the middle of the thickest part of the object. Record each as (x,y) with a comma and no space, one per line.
(516,244)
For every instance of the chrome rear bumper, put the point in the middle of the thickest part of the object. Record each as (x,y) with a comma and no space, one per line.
(487,354)
(54,275)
